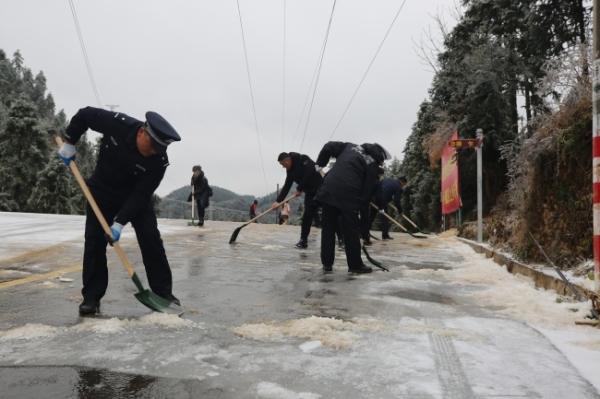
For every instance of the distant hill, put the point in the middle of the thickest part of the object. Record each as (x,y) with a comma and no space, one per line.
(224,205)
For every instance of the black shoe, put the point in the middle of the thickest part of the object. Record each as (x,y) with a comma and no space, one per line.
(327,269)
(387,237)
(89,307)
(302,244)
(360,270)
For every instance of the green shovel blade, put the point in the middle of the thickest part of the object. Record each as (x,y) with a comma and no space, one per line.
(154,301)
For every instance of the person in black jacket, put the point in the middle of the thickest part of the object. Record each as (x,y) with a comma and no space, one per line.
(201,192)
(346,188)
(388,189)
(132,161)
(300,169)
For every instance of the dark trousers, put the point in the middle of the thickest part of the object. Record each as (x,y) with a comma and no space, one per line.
(200,208)
(95,271)
(368,216)
(384,222)
(310,210)
(350,227)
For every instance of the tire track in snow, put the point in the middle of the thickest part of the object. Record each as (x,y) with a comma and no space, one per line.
(451,374)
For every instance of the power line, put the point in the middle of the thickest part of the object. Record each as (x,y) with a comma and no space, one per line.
(318,75)
(283,79)
(262,163)
(308,91)
(367,70)
(84,52)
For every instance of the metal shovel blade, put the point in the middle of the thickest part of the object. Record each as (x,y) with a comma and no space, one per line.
(154,301)
(158,303)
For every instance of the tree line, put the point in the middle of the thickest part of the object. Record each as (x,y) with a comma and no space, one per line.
(519,70)
(32,177)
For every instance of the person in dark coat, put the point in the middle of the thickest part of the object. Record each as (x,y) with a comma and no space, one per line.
(131,163)
(300,169)
(201,192)
(387,190)
(346,188)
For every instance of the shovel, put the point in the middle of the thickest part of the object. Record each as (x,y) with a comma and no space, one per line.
(191,223)
(408,220)
(237,230)
(145,296)
(391,219)
(373,261)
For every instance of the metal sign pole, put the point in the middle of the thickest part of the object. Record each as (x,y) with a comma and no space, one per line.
(596,142)
(479,187)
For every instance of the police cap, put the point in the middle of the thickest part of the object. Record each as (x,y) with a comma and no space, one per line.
(161,131)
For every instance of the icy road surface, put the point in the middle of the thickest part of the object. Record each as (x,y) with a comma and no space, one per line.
(262,321)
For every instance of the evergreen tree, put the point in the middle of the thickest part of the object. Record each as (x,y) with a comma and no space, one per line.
(27,114)
(24,152)
(53,192)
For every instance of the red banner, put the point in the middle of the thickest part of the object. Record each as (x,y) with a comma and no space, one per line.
(450,194)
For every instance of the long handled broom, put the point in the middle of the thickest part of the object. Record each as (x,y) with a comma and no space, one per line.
(145,296)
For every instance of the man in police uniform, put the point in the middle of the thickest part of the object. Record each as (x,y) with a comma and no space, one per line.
(131,164)
(300,169)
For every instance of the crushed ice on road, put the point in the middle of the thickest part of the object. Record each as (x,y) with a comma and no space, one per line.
(334,333)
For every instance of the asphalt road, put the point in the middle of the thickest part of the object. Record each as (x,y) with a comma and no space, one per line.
(262,321)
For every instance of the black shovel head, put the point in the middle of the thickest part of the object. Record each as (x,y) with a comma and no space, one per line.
(373,261)
(235,234)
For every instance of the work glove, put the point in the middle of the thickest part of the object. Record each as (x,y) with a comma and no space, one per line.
(381,211)
(115,230)
(67,153)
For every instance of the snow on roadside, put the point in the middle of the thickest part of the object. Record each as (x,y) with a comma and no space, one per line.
(536,307)
(23,232)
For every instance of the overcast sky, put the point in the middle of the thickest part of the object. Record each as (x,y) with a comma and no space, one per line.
(185,60)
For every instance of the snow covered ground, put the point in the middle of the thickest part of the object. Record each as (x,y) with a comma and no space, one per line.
(262,321)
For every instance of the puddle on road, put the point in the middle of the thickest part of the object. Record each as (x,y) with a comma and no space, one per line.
(82,382)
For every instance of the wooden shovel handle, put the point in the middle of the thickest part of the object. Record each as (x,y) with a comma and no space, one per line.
(97,211)
(390,218)
(288,199)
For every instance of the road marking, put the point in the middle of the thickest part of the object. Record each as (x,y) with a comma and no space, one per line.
(33,254)
(43,276)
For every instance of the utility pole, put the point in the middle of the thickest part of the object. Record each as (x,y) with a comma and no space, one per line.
(479,136)
(596,142)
